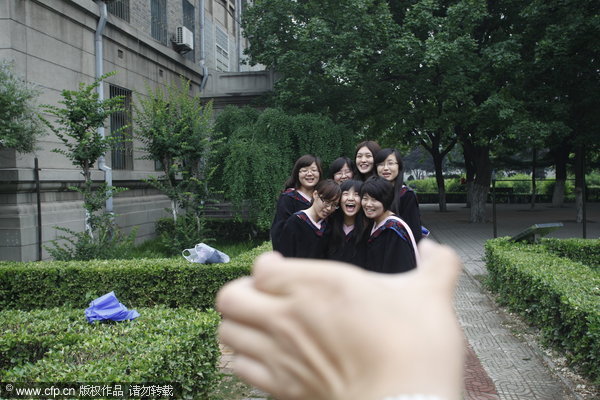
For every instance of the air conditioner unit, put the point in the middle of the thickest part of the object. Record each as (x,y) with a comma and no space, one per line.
(184,39)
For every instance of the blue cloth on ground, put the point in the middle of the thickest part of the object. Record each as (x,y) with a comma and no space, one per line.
(107,307)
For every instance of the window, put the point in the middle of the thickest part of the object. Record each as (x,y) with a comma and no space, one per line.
(190,23)
(119,8)
(222,49)
(122,152)
(158,11)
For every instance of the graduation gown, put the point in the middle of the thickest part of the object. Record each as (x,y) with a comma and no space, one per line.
(389,249)
(406,206)
(301,238)
(351,252)
(289,203)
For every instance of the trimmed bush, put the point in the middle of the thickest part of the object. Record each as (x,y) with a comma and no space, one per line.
(558,295)
(586,251)
(137,283)
(162,346)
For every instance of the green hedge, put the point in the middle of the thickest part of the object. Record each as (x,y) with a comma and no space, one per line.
(586,251)
(558,295)
(137,283)
(161,346)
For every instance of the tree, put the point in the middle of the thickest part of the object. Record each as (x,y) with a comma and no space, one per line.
(76,125)
(329,54)
(562,46)
(443,77)
(176,131)
(20,125)
(258,156)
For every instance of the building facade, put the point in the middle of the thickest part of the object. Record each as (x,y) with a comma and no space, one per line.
(149,43)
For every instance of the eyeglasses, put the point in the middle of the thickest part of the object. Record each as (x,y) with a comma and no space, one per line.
(345,172)
(388,164)
(329,204)
(305,171)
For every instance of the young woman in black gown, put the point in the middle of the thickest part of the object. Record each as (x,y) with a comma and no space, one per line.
(391,247)
(348,242)
(307,172)
(306,233)
(405,205)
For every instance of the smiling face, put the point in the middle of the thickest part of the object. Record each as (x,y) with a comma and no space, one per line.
(343,174)
(323,207)
(389,168)
(364,160)
(372,207)
(309,176)
(350,202)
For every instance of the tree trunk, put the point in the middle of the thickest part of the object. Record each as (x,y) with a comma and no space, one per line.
(533,172)
(579,182)
(470,171)
(481,185)
(439,178)
(561,155)
(558,195)
(479,200)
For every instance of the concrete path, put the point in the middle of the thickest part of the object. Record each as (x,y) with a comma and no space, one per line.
(499,365)
(516,369)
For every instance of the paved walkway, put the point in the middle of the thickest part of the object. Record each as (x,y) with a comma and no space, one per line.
(499,365)
(509,367)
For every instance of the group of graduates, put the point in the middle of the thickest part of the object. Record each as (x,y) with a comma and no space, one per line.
(361,214)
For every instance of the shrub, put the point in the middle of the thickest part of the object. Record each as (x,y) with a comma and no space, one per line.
(585,251)
(138,283)
(558,295)
(161,346)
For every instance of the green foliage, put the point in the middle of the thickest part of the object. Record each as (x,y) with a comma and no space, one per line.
(184,233)
(138,283)
(176,130)
(585,251)
(558,295)
(76,124)
(107,244)
(259,156)
(162,346)
(20,125)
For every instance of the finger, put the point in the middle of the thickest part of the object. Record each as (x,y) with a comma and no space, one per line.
(240,301)
(278,275)
(247,340)
(254,372)
(439,262)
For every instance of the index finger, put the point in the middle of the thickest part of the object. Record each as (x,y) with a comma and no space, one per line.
(278,275)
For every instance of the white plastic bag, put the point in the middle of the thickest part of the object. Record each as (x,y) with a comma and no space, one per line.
(204,254)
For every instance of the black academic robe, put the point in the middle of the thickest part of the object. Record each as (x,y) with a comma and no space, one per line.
(289,203)
(389,249)
(406,206)
(351,252)
(301,238)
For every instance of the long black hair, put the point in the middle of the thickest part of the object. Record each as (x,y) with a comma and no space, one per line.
(337,164)
(380,158)
(303,162)
(374,148)
(338,236)
(395,207)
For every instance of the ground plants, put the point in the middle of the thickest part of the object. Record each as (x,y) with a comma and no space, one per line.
(76,124)
(555,293)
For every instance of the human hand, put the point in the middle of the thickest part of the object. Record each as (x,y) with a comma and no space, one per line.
(321,330)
